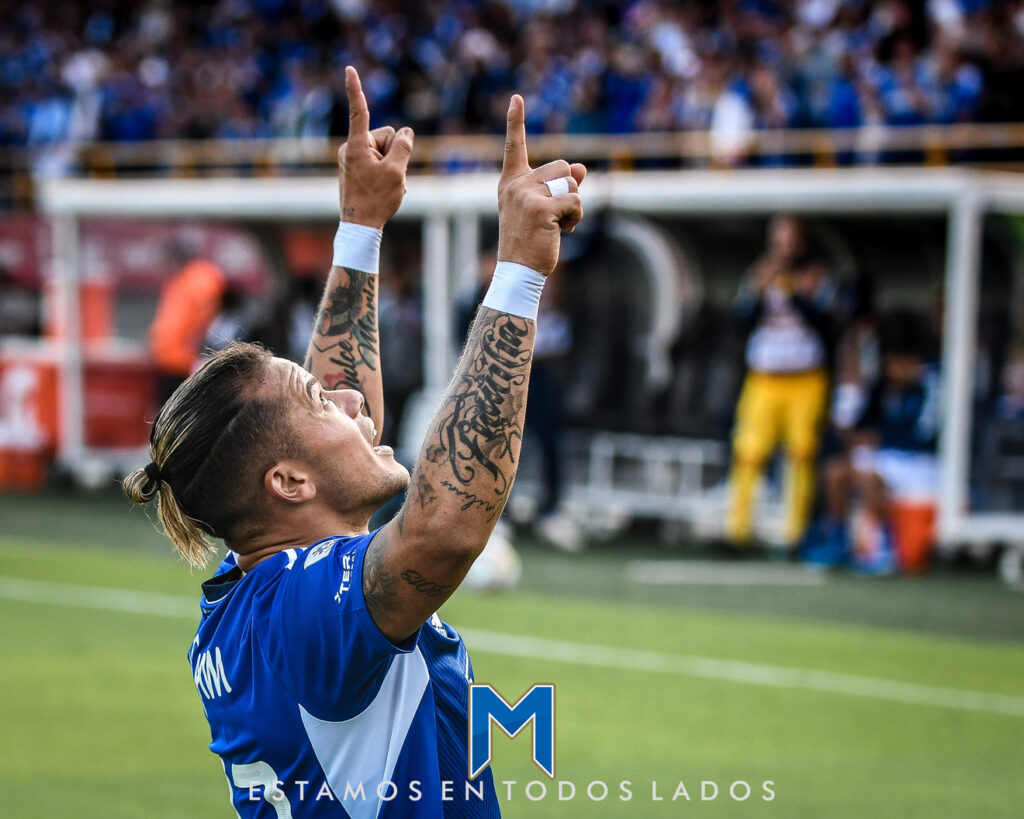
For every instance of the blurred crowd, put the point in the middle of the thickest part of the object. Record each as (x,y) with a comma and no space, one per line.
(129,70)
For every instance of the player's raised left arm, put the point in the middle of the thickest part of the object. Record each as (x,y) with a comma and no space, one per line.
(468,462)
(344,350)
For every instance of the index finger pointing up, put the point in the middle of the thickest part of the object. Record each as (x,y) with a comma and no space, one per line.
(516,161)
(358,113)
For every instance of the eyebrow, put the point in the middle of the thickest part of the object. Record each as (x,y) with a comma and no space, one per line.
(309,389)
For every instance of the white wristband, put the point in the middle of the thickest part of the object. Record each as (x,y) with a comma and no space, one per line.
(357,247)
(515,288)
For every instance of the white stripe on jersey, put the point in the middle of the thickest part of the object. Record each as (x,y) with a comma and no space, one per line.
(366,748)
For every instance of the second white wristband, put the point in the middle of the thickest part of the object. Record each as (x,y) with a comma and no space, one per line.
(357,247)
(516,289)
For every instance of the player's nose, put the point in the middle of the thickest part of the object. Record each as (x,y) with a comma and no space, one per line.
(349,401)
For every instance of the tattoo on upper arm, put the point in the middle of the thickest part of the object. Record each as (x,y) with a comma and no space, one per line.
(422,585)
(379,591)
(425,493)
(469,499)
(346,330)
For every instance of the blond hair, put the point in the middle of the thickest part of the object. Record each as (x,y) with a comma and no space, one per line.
(202,444)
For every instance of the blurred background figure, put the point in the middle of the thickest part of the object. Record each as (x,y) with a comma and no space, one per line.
(299,313)
(189,303)
(19,308)
(231,323)
(890,457)
(401,340)
(858,353)
(784,305)
(545,414)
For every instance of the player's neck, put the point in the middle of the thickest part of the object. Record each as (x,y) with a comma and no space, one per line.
(295,533)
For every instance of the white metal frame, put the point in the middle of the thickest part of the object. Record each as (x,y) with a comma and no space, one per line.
(963,196)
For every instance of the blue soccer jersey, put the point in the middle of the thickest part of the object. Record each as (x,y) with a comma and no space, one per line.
(315,713)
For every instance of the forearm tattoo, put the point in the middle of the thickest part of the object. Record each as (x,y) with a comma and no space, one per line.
(473,445)
(346,331)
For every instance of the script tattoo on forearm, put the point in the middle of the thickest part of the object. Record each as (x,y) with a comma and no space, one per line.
(346,330)
(480,423)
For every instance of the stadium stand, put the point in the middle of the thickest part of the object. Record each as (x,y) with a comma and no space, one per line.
(146,85)
(131,71)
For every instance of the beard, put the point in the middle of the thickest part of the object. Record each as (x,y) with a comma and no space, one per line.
(397,482)
(363,493)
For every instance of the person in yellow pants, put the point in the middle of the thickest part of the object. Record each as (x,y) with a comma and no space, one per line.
(785,303)
(786,408)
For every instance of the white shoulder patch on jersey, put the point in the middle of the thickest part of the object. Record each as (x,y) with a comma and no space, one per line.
(317,553)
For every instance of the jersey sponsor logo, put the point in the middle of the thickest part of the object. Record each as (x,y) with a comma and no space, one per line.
(486,706)
(348,563)
(318,553)
(209,675)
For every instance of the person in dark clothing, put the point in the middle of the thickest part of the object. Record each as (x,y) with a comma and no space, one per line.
(891,448)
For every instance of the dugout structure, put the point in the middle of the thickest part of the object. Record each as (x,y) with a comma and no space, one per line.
(451,208)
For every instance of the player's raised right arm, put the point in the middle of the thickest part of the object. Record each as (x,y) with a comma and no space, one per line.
(468,462)
(344,349)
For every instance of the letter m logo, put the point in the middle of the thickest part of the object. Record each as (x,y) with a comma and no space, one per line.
(537,706)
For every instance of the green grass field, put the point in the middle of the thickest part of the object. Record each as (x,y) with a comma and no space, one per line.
(692,683)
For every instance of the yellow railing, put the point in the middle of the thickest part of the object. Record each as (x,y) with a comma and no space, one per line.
(987,144)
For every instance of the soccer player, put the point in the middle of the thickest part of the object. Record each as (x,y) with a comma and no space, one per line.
(330,685)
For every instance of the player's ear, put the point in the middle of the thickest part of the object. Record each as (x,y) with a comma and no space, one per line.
(289,481)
